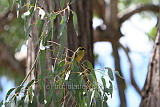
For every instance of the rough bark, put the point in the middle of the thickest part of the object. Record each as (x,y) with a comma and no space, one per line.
(84,38)
(151,90)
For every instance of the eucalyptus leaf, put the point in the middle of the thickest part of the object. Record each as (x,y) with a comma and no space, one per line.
(89,65)
(9,92)
(34,102)
(52,17)
(110,73)
(41,97)
(48,98)
(1,103)
(103,81)
(17,91)
(29,29)
(28,85)
(118,74)
(11,4)
(62,28)
(62,3)
(43,60)
(39,24)
(75,22)
(111,88)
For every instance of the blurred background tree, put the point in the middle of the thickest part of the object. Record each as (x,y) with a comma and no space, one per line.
(11,39)
(113,14)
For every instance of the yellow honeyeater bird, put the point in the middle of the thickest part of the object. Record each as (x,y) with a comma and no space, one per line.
(79,53)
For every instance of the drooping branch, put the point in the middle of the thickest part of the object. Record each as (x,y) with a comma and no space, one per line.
(131,69)
(151,7)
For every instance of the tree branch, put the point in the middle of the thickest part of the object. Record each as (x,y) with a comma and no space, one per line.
(120,82)
(107,34)
(151,7)
(102,35)
(131,69)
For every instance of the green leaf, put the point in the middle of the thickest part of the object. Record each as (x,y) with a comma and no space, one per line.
(29,30)
(72,1)
(111,88)
(105,104)
(21,102)
(98,99)
(41,97)
(23,2)
(28,85)
(34,102)
(62,34)
(30,94)
(9,92)
(75,22)
(32,2)
(49,36)
(110,73)
(43,60)
(105,98)
(62,27)
(11,3)
(89,65)
(18,1)
(152,33)
(40,24)
(63,40)
(52,17)
(103,81)
(41,84)
(18,90)
(15,100)
(48,98)
(118,74)
(1,103)
(31,10)
(62,3)
(7,104)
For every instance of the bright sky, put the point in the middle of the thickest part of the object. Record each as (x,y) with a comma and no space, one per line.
(135,38)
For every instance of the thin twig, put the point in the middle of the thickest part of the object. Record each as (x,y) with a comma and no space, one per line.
(30,69)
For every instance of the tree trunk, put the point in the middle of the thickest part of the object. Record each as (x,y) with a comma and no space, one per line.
(83,9)
(151,90)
